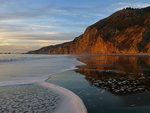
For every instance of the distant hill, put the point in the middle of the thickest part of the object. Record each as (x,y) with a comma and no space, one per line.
(126,31)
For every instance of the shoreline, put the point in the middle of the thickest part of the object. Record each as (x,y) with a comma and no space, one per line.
(70,103)
(113,54)
(140,54)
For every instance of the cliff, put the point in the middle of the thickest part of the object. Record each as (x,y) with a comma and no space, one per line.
(126,31)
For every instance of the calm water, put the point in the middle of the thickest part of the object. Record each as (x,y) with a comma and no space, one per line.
(110,84)
(106,84)
(19,74)
(23,69)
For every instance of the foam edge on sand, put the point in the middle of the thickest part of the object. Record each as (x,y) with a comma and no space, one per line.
(70,103)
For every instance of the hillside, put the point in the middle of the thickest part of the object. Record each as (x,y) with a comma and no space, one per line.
(126,31)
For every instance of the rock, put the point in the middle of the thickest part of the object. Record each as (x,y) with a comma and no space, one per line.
(126,31)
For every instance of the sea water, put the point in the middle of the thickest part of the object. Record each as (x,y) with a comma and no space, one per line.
(110,84)
(23,87)
(23,69)
(94,82)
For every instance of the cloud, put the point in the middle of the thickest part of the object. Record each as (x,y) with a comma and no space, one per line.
(12,9)
(20,46)
(39,23)
(121,5)
(16,48)
(37,36)
(13,26)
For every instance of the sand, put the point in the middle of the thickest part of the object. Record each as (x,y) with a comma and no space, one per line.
(28,99)
(39,98)
(70,103)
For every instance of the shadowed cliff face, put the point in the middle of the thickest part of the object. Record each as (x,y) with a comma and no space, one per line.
(126,31)
(117,74)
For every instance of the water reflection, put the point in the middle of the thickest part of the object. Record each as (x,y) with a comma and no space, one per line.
(117,74)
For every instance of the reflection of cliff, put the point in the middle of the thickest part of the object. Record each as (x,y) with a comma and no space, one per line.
(119,74)
(126,31)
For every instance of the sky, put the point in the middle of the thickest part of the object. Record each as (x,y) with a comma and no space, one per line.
(31,24)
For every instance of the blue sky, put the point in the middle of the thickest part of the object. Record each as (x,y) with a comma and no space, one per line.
(31,24)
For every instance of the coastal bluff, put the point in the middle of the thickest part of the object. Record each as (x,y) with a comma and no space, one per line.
(125,31)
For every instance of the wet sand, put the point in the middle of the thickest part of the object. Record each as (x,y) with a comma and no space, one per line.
(28,99)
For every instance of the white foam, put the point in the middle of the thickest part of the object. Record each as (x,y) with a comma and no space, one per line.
(70,103)
(30,71)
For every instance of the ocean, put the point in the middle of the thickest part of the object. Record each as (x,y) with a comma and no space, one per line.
(23,87)
(105,83)
(23,69)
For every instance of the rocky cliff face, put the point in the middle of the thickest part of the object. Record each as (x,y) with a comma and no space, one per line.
(126,31)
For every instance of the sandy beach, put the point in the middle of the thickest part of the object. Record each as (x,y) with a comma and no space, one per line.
(70,102)
(27,99)
(23,87)
(39,98)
